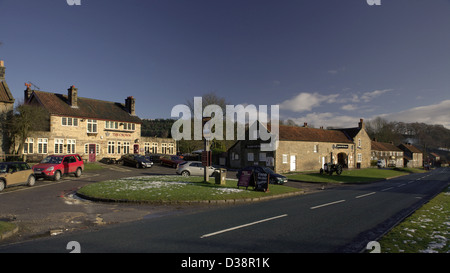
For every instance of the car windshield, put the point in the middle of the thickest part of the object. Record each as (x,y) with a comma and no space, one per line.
(267,170)
(52,159)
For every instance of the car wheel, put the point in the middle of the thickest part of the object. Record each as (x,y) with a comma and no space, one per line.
(2,185)
(185,173)
(57,176)
(31,181)
(78,172)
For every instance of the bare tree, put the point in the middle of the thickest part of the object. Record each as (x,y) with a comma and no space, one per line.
(26,118)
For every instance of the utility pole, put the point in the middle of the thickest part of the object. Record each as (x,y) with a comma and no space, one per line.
(206,155)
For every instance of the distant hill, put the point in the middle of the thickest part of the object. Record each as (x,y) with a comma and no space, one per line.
(156,127)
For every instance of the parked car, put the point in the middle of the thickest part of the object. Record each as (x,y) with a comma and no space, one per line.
(381,163)
(16,173)
(188,168)
(136,160)
(171,160)
(274,178)
(55,166)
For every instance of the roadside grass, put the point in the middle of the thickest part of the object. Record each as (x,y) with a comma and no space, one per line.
(426,231)
(92,166)
(171,188)
(352,176)
(6,226)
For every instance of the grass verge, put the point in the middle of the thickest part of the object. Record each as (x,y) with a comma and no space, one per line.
(353,175)
(173,189)
(6,227)
(426,231)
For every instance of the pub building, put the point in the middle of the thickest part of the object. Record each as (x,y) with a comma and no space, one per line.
(306,149)
(92,128)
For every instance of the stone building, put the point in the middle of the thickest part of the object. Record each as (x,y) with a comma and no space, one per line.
(304,148)
(6,108)
(413,157)
(391,154)
(92,128)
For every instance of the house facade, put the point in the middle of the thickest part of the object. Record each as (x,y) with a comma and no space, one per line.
(92,128)
(391,154)
(413,157)
(304,148)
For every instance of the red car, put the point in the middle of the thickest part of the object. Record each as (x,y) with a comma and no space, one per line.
(171,160)
(55,166)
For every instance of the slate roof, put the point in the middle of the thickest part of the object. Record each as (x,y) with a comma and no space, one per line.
(58,104)
(384,146)
(295,133)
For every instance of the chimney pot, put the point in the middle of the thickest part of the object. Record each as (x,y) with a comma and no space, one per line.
(305,124)
(2,70)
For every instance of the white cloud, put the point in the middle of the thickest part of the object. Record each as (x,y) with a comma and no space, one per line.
(430,114)
(368,96)
(307,101)
(349,107)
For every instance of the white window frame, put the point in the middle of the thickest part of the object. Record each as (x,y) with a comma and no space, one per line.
(71,146)
(67,121)
(92,126)
(28,146)
(59,145)
(170,147)
(155,147)
(111,145)
(147,147)
(285,159)
(126,147)
(42,145)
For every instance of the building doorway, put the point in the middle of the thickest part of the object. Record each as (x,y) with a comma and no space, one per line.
(136,148)
(343,159)
(92,152)
(293,163)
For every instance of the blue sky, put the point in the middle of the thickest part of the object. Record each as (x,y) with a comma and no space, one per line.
(325,62)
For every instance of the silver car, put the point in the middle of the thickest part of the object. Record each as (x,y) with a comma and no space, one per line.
(194,168)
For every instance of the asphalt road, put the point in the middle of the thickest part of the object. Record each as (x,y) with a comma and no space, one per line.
(342,219)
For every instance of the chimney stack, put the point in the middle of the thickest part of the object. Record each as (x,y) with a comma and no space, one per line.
(27,92)
(2,70)
(73,96)
(130,105)
(305,124)
(361,124)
